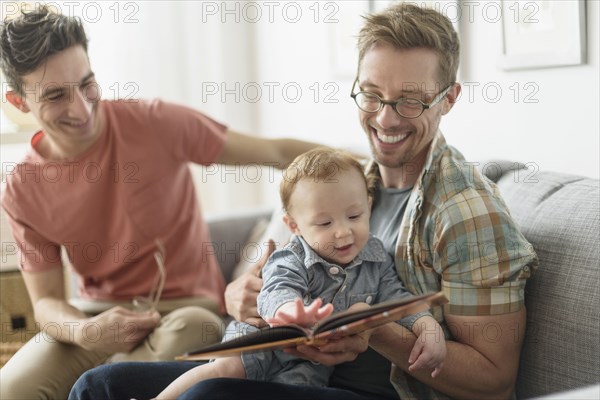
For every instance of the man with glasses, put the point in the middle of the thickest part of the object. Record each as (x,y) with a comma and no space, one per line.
(446,226)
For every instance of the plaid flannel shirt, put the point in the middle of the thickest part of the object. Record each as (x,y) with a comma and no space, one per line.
(457,236)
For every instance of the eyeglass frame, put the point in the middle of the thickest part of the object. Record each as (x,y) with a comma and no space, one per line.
(382,103)
(150,302)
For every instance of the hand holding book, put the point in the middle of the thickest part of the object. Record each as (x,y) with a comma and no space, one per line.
(335,326)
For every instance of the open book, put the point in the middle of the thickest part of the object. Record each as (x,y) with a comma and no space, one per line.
(335,326)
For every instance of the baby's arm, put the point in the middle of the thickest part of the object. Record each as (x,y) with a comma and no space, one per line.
(230,367)
(286,282)
(429,350)
(295,312)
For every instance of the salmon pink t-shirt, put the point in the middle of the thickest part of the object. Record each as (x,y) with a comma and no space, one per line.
(108,206)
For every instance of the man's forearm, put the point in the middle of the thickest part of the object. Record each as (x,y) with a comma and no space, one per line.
(289,149)
(466,373)
(59,319)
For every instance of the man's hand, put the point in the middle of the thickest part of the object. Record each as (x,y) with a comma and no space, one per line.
(241,294)
(336,351)
(117,330)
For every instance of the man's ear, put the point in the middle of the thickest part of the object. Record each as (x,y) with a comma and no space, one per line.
(452,97)
(291,224)
(17,101)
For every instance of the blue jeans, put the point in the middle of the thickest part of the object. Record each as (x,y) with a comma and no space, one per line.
(142,381)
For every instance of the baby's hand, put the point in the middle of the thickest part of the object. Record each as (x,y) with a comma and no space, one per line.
(429,350)
(296,313)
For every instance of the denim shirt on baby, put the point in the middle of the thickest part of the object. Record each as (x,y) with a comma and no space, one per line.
(297,271)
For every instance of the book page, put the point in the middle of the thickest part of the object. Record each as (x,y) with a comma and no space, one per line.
(336,326)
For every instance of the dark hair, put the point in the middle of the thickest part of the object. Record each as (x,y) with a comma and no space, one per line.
(407,26)
(28,39)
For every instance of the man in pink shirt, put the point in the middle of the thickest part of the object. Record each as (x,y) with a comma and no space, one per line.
(109,182)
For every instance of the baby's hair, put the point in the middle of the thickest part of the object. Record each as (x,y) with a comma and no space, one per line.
(319,164)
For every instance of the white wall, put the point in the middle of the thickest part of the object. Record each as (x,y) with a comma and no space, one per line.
(215,56)
(182,52)
(554,123)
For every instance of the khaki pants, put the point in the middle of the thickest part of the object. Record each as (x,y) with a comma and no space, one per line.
(46,369)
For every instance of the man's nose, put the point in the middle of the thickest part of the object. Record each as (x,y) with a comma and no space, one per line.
(387,117)
(80,107)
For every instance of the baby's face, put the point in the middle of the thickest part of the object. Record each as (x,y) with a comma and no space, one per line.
(332,215)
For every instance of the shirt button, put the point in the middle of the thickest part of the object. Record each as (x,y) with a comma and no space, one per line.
(334,270)
(526,268)
(369,299)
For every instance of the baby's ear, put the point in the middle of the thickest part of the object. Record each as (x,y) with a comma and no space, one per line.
(291,224)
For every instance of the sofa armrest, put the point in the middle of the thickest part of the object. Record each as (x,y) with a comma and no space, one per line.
(559,214)
(496,169)
(229,234)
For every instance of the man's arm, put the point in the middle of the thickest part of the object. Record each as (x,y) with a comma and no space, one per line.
(246,149)
(482,362)
(121,330)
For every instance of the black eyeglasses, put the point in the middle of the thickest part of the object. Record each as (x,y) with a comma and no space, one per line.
(406,107)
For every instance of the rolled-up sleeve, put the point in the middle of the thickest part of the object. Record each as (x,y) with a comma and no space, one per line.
(483,259)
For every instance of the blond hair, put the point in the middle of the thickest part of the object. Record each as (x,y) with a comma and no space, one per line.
(406,26)
(319,164)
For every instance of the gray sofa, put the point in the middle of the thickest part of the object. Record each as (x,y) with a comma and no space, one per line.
(560,215)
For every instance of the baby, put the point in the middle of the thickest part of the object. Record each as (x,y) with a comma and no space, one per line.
(330,264)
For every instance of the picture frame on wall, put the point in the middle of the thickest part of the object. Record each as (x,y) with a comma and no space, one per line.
(543,34)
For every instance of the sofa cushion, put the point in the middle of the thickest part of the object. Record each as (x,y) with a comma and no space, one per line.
(229,234)
(257,242)
(560,215)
